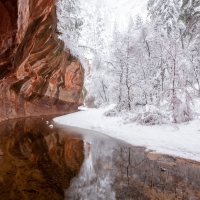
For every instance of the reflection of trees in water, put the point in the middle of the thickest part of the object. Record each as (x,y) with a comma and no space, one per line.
(126,162)
(137,177)
(115,170)
(95,177)
(36,163)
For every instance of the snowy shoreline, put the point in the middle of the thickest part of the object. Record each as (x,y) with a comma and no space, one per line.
(165,139)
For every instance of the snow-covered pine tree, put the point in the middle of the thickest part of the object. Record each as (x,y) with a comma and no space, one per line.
(190,16)
(164,13)
(69,23)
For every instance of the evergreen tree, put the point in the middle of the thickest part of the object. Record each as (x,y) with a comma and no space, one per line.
(165,13)
(70,23)
(190,16)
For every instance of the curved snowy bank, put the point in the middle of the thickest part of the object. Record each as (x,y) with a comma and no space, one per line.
(165,139)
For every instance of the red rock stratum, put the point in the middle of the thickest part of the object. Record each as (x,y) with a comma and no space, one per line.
(37,75)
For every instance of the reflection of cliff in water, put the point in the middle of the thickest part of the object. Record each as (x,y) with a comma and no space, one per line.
(36,163)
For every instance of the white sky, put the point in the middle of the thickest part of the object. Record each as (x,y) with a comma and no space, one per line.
(127,8)
(124,9)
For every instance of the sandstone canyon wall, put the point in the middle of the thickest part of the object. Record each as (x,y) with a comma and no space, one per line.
(37,76)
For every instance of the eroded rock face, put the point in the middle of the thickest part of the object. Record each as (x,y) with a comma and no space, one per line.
(37,76)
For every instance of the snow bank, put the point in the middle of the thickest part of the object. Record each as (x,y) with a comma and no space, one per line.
(183,142)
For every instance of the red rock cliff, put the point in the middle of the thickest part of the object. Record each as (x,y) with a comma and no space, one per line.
(37,76)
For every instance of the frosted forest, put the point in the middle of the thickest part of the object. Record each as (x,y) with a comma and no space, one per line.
(144,59)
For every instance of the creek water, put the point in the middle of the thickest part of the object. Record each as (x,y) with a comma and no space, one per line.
(40,161)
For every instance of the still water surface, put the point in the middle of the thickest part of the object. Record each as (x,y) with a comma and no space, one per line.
(60,162)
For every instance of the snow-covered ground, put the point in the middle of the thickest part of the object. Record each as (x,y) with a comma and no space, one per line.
(183,142)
